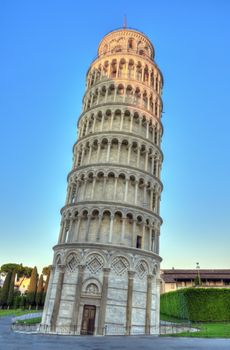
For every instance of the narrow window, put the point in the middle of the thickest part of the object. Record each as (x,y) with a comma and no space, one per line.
(138,244)
(130,44)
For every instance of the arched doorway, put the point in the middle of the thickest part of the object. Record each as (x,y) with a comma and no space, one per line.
(88,320)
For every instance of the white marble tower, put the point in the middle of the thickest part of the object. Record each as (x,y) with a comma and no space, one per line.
(105,272)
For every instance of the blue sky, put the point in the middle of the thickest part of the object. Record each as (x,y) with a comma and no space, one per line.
(46,48)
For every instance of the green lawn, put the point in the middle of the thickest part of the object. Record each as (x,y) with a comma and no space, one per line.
(30,320)
(207,330)
(16,312)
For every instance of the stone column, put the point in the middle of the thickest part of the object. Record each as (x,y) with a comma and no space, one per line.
(126,189)
(145,204)
(123,230)
(57,299)
(142,75)
(115,188)
(152,165)
(94,122)
(111,228)
(143,237)
(68,194)
(148,304)
(71,228)
(99,227)
(87,228)
(115,94)
(77,190)
(129,153)
(131,123)
(108,151)
(134,234)
(106,95)
(102,121)
(111,121)
(129,302)
(158,203)
(87,127)
(103,304)
(84,188)
(151,199)
(118,152)
(147,129)
(138,156)
(146,160)
(90,151)
(156,250)
(61,230)
(150,238)
(104,186)
(98,151)
(76,231)
(122,120)
(63,235)
(155,80)
(93,187)
(153,236)
(77,158)
(136,190)
(82,155)
(98,96)
(77,297)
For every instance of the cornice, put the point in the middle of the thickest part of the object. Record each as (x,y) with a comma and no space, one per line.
(109,247)
(116,166)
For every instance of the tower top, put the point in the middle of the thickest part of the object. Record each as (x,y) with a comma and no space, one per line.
(121,39)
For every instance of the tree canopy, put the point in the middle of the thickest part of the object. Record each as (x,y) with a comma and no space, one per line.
(19,269)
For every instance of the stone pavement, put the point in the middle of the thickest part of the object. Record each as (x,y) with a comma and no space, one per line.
(15,341)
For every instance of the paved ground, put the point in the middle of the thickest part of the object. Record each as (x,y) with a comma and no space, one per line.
(14,341)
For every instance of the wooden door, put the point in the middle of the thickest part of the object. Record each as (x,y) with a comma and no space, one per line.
(88,320)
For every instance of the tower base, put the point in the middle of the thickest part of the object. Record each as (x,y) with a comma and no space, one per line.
(96,289)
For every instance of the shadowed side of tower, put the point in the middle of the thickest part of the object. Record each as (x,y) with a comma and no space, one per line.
(105,273)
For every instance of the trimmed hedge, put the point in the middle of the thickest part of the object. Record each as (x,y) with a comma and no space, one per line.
(197,304)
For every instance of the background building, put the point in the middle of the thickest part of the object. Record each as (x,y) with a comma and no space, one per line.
(177,278)
(106,274)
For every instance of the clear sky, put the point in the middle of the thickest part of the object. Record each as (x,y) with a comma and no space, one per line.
(46,48)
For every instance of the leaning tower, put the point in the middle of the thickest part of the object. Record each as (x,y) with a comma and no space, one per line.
(105,272)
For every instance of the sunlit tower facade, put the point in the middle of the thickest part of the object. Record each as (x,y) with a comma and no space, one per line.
(106,270)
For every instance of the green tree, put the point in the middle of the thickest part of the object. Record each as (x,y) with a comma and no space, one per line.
(23,301)
(5,290)
(31,295)
(22,271)
(10,297)
(46,270)
(40,289)
(17,301)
